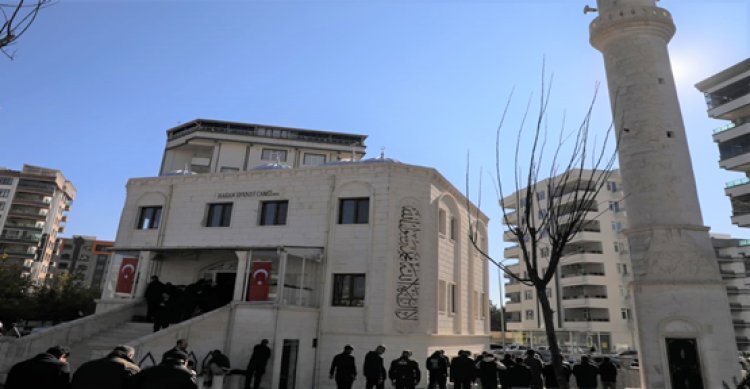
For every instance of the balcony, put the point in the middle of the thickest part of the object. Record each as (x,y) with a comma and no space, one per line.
(30,203)
(34,187)
(742,220)
(577,315)
(512,252)
(730,131)
(730,108)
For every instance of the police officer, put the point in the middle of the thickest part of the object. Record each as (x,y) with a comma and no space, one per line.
(404,372)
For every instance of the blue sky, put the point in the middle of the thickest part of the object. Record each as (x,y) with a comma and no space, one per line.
(95,84)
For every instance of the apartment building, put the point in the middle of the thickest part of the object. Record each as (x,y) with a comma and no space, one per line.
(589,293)
(85,256)
(728,98)
(33,202)
(734,263)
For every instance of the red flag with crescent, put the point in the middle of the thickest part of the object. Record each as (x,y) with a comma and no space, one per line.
(260,281)
(126,276)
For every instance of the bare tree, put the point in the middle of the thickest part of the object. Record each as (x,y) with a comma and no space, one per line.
(577,168)
(17,18)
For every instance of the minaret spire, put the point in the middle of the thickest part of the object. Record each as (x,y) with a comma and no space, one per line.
(680,302)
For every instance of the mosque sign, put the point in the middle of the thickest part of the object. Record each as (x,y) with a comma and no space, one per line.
(247,194)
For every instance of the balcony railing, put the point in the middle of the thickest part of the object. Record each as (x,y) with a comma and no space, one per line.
(589,273)
(583,319)
(723,128)
(586,296)
(738,182)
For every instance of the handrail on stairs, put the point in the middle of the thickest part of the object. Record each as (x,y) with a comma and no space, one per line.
(149,356)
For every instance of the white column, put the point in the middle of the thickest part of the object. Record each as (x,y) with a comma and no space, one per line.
(144,272)
(282,276)
(240,283)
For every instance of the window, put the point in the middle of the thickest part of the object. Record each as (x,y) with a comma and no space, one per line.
(2,205)
(611,186)
(528,294)
(314,159)
(622,268)
(273,155)
(453,228)
(616,226)
(219,215)
(100,247)
(625,312)
(529,314)
(273,213)
(540,196)
(452,298)
(149,218)
(348,290)
(542,213)
(442,296)
(354,211)
(62,265)
(544,252)
(4,192)
(614,206)
(101,258)
(616,245)
(227,169)
(442,221)
(6,180)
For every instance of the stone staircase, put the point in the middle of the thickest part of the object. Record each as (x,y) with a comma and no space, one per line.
(102,343)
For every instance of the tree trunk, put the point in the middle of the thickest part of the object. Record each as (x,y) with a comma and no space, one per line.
(549,328)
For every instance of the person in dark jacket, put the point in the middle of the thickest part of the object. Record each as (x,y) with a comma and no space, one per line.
(171,373)
(462,372)
(507,361)
(437,367)
(550,379)
(215,367)
(373,369)
(115,371)
(344,369)
(257,365)
(152,295)
(607,373)
(180,345)
(519,375)
(585,374)
(48,370)
(404,372)
(534,362)
(488,369)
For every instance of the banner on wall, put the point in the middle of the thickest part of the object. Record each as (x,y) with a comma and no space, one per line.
(260,281)
(126,275)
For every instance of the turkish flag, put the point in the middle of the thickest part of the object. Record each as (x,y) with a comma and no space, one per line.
(260,281)
(126,276)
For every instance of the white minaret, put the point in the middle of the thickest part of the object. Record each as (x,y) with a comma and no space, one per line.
(686,338)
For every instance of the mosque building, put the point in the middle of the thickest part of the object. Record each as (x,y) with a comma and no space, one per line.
(308,244)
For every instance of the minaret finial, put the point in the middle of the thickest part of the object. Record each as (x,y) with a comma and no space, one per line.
(382,152)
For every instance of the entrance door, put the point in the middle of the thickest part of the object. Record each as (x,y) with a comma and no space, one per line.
(288,374)
(684,364)
(225,287)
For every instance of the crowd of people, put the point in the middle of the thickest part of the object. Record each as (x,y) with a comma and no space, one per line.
(169,304)
(463,371)
(117,370)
